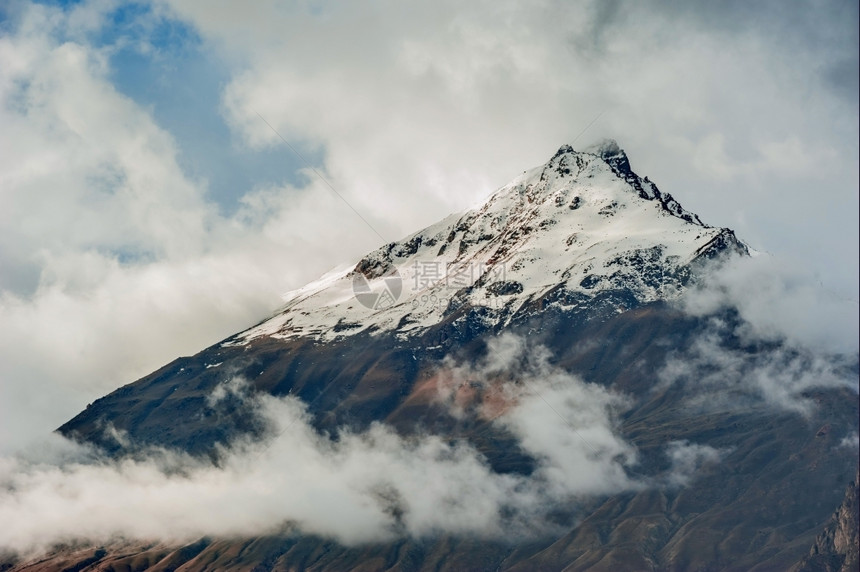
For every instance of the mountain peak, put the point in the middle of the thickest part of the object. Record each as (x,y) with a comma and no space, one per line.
(580,226)
(612,153)
(580,165)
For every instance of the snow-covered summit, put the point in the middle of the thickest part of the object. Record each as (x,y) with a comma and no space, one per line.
(609,151)
(584,223)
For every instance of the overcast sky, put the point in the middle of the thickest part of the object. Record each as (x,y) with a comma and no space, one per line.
(148,210)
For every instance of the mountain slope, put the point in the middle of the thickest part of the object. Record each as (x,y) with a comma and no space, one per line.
(580,260)
(580,238)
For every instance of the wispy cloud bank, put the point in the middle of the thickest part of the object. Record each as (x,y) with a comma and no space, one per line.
(366,486)
(362,487)
(772,335)
(778,300)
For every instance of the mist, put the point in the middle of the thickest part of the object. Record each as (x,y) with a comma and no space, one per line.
(773,333)
(354,487)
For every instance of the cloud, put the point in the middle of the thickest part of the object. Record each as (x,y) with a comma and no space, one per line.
(373,485)
(422,110)
(770,336)
(778,300)
(687,459)
(720,376)
(570,426)
(851,441)
(112,261)
(362,487)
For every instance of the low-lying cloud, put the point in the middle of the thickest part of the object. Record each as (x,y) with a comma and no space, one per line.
(720,375)
(569,426)
(373,485)
(687,458)
(772,335)
(778,300)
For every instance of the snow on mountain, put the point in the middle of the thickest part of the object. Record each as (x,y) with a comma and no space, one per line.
(584,222)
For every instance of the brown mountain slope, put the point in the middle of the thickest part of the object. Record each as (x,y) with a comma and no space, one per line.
(759,508)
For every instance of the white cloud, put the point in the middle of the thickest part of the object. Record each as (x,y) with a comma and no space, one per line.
(851,441)
(687,459)
(113,262)
(772,334)
(568,425)
(422,109)
(778,300)
(720,374)
(373,485)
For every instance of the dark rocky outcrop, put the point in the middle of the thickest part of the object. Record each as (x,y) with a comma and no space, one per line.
(837,548)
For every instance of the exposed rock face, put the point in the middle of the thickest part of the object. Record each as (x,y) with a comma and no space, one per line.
(837,548)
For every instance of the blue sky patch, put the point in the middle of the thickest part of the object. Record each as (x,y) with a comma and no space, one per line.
(164,66)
